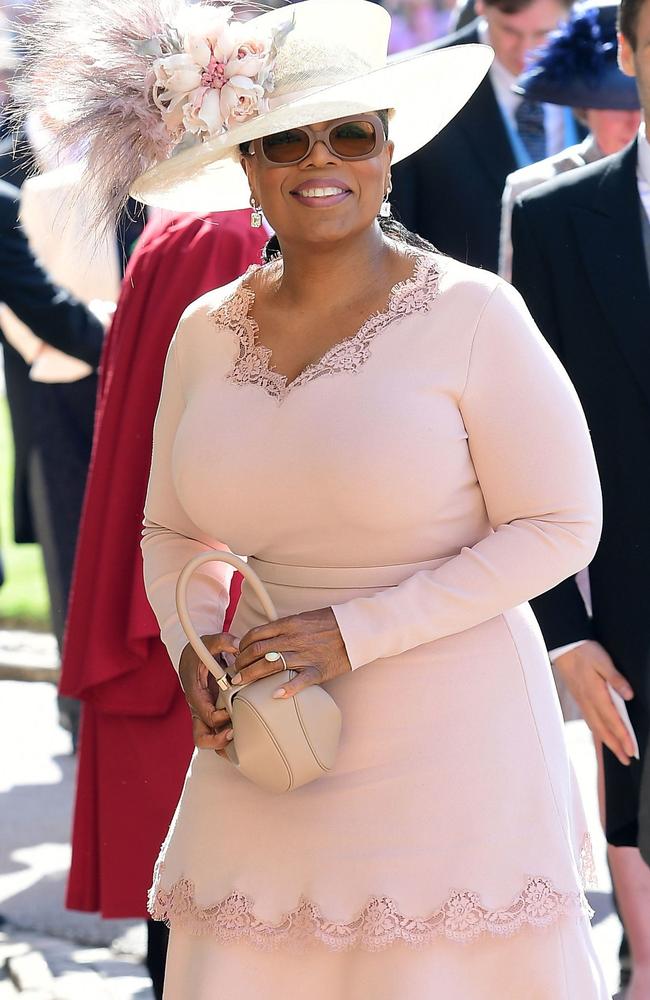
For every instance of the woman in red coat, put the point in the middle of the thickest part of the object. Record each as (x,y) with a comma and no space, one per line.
(136,735)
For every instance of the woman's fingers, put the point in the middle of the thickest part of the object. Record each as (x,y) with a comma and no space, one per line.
(223,643)
(204,705)
(205,737)
(256,650)
(305,678)
(262,633)
(265,668)
(201,692)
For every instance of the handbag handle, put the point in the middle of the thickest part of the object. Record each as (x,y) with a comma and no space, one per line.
(195,639)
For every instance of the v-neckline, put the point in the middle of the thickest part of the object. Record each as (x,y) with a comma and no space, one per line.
(254,363)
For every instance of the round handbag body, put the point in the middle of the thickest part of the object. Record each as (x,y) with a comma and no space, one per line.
(281,744)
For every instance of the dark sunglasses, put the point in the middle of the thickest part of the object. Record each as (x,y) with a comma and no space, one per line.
(359,137)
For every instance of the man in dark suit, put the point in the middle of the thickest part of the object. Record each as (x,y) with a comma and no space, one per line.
(55,316)
(582,262)
(450,191)
(25,287)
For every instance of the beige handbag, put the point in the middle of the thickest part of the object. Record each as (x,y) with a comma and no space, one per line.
(279,744)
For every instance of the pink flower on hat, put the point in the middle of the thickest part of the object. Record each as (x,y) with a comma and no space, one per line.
(240,100)
(248,59)
(216,81)
(202,115)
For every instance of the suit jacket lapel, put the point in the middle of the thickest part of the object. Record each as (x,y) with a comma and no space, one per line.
(482,122)
(611,244)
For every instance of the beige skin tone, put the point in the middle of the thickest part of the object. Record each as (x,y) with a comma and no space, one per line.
(514,36)
(334,255)
(612,129)
(586,672)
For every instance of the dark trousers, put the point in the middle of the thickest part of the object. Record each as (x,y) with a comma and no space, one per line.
(157,941)
(62,423)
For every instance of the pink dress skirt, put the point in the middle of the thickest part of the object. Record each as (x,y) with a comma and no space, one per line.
(421,763)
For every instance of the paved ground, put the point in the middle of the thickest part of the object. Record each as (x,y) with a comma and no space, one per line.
(48,953)
(30,656)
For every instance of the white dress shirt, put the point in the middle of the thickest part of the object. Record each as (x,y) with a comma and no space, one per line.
(502,80)
(643,169)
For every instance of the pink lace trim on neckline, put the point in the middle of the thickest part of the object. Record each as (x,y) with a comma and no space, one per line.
(462,917)
(253,365)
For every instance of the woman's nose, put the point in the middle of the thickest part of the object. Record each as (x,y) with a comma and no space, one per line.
(321,155)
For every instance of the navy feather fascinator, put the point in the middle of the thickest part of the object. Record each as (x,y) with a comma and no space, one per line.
(578,68)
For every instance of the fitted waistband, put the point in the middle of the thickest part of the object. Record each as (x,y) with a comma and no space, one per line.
(339,578)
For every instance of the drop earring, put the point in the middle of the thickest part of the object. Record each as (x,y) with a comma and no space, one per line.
(256,214)
(385,210)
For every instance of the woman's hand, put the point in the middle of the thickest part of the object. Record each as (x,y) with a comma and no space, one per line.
(210,726)
(586,671)
(311,644)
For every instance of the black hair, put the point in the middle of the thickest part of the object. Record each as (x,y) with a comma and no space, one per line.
(391,227)
(628,19)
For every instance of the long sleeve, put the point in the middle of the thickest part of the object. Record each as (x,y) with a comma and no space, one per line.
(53,315)
(170,539)
(535,466)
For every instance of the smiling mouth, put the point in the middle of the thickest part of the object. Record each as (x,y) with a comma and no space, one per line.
(326,195)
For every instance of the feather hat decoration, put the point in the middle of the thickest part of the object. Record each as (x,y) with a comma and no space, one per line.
(578,65)
(137,79)
(162,93)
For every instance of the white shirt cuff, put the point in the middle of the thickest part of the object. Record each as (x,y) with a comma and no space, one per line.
(554,654)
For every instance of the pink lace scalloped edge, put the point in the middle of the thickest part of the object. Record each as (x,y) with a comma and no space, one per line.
(253,365)
(587,865)
(462,917)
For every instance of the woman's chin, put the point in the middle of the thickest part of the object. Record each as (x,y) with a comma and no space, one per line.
(326,232)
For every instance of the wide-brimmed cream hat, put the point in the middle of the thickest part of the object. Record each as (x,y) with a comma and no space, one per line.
(165,97)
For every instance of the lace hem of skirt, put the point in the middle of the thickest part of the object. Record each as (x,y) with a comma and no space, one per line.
(462,918)
(587,865)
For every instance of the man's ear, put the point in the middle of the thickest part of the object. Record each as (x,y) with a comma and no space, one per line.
(626,56)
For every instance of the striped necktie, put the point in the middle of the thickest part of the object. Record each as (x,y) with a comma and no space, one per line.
(529,118)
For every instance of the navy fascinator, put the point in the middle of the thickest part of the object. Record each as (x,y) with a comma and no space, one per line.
(577,67)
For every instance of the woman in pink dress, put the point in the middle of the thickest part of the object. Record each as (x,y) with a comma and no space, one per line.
(387,437)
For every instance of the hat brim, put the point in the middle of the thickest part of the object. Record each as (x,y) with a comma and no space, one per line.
(611,91)
(425,92)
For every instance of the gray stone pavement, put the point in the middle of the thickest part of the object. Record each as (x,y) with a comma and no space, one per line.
(49,953)
(46,951)
(32,656)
